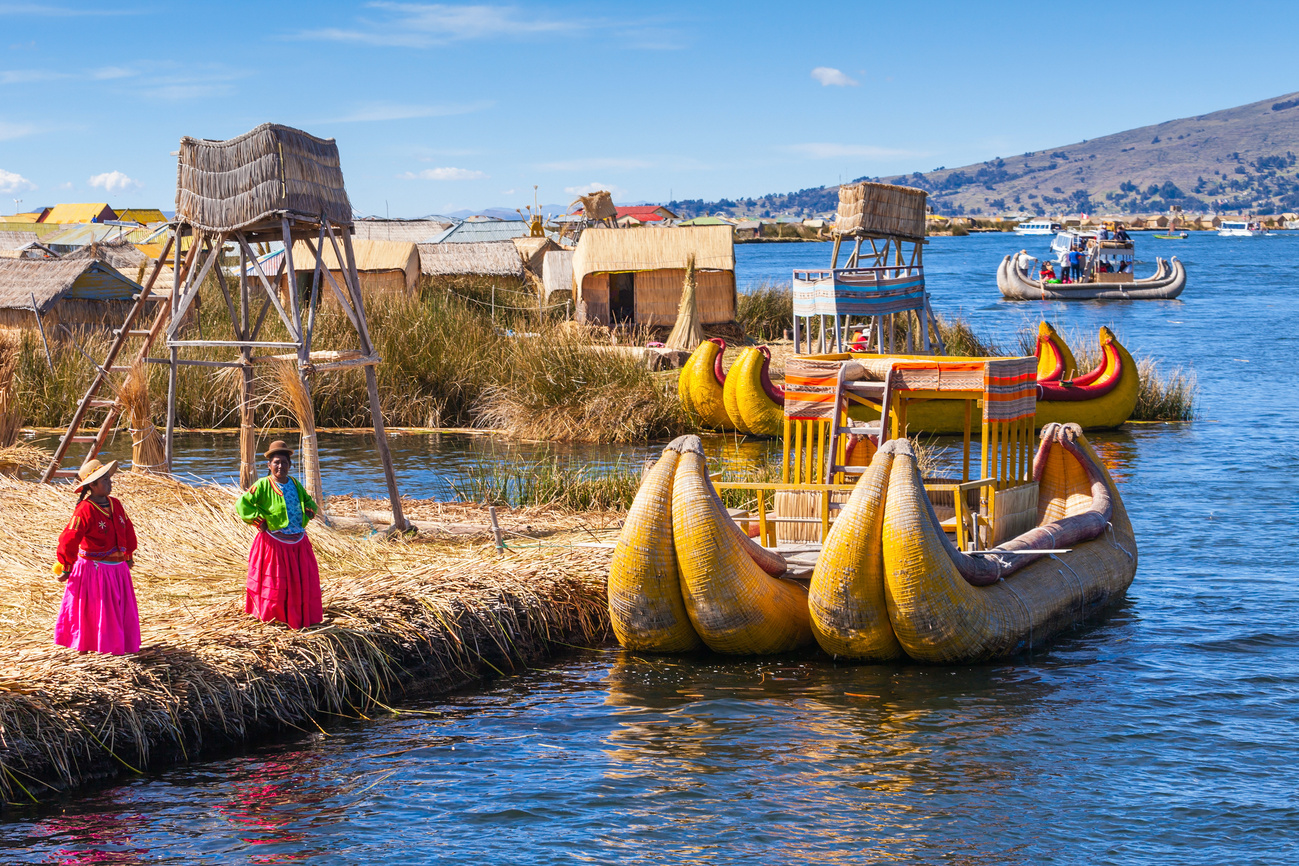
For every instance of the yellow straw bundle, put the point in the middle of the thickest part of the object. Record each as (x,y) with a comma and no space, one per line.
(292,394)
(687,333)
(148,453)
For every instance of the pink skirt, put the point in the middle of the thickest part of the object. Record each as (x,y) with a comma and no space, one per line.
(99,612)
(283,582)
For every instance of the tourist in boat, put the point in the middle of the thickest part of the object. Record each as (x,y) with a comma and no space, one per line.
(1121,234)
(95,554)
(283,578)
(1075,264)
(1047,273)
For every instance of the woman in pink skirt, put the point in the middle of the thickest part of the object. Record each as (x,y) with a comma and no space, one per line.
(96,552)
(283,579)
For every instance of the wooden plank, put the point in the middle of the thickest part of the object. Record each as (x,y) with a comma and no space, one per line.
(236,344)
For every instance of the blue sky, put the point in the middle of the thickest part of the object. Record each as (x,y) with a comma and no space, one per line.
(444,107)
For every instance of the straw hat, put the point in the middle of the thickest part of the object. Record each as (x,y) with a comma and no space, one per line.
(91,471)
(278,447)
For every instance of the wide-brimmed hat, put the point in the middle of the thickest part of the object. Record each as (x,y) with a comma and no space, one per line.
(278,447)
(91,471)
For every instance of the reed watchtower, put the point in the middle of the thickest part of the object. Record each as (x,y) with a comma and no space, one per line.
(274,184)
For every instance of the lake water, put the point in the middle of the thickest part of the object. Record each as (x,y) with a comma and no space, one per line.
(1165,734)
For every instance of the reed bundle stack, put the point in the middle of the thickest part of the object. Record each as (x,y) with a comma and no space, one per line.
(881,209)
(11,420)
(687,333)
(148,453)
(290,392)
(398,616)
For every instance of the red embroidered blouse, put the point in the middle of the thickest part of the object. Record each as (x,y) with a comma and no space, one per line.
(105,534)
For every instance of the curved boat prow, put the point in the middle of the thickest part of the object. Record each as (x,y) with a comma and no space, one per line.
(939,615)
(701,385)
(759,404)
(1055,360)
(846,598)
(734,605)
(1102,398)
(646,607)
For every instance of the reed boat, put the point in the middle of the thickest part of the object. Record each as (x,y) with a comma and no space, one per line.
(1017,284)
(1078,558)
(684,574)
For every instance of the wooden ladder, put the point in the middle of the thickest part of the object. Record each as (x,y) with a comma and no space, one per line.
(865,392)
(103,372)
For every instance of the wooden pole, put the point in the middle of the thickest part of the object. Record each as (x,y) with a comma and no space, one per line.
(247,428)
(372,385)
(310,447)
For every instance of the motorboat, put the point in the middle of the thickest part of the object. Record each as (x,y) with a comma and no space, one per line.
(1037,227)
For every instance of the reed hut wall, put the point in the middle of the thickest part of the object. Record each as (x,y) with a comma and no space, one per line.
(656,257)
(557,272)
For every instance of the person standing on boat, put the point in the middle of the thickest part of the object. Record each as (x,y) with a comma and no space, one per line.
(95,555)
(1075,264)
(283,577)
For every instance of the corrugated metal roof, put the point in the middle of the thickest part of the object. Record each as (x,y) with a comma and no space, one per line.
(413,231)
(142,215)
(80,213)
(70,238)
(482,232)
(646,213)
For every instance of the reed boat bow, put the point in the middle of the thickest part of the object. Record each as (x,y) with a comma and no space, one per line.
(947,606)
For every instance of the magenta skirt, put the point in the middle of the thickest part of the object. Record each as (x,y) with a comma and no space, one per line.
(98,612)
(283,582)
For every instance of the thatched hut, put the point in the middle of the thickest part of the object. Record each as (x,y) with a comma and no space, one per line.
(415,231)
(487,259)
(636,275)
(383,266)
(129,259)
(12,243)
(84,293)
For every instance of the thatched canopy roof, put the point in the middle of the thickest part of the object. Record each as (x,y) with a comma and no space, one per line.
(602,250)
(881,210)
(258,177)
(533,251)
(16,240)
(51,281)
(488,259)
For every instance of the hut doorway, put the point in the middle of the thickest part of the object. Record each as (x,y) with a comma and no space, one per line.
(622,298)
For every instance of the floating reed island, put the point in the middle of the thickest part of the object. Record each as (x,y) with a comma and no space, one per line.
(401,616)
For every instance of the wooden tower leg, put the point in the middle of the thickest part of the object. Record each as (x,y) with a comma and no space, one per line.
(372,385)
(310,449)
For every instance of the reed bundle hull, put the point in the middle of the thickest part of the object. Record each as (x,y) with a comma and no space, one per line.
(1168,282)
(846,599)
(646,608)
(735,605)
(939,616)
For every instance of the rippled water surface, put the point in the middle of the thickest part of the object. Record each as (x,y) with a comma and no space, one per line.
(1164,734)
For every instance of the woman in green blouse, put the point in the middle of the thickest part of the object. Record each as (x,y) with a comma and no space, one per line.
(283,578)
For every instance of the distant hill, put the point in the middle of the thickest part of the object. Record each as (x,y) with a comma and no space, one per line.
(1237,159)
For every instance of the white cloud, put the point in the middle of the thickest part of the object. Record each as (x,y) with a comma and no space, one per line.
(418,25)
(29,76)
(830,150)
(114,181)
(587,189)
(108,73)
(10,183)
(447,173)
(831,77)
(380,111)
(508,191)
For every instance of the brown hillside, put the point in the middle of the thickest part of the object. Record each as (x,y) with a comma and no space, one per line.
(1238,158)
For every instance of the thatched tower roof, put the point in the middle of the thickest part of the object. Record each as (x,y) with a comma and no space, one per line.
(598,205)
(881,210)
(489,259)
(51,281)
(258,177)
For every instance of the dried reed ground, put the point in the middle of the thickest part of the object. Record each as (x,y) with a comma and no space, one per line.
(398,614)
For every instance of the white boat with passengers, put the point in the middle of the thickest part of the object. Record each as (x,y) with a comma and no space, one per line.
(1103,272)
(1240,229)
(1037,227)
